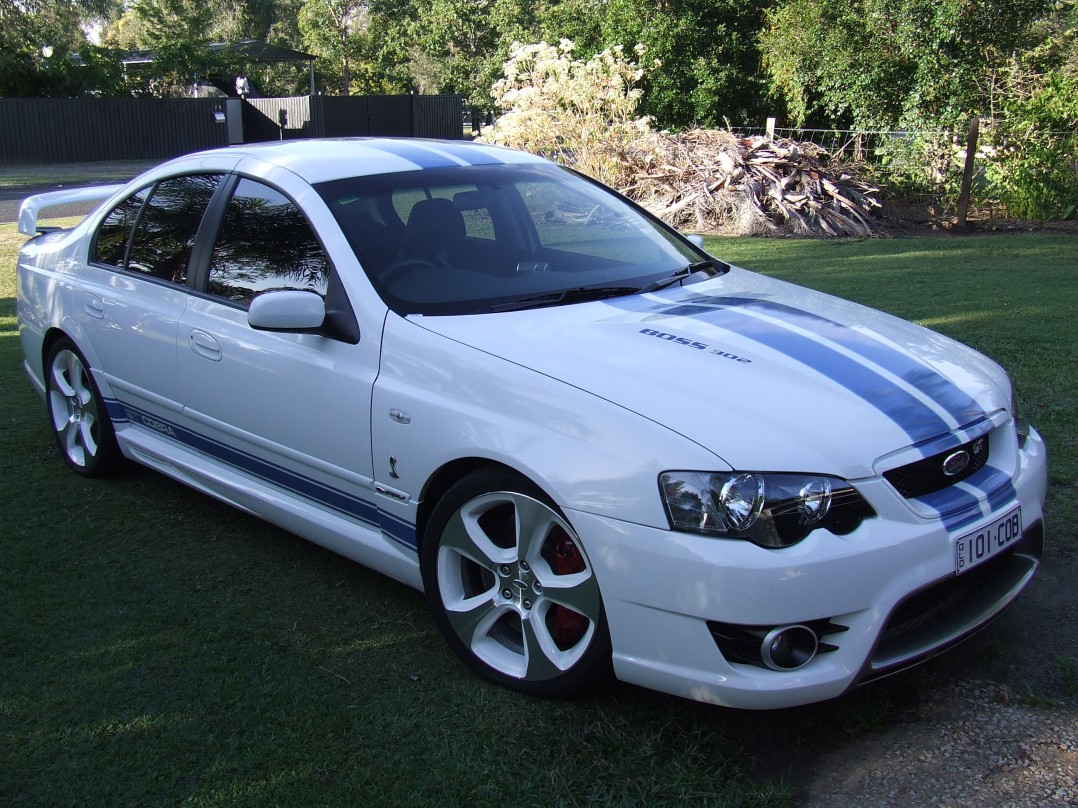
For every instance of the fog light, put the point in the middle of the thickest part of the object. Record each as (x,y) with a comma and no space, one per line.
(788,648)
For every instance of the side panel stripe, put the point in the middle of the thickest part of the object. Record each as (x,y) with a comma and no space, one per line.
(333,498)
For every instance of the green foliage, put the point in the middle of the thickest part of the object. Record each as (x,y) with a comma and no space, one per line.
(580,113)
(336,31)
(1032,166)
(1034,171)
(43,52)
(709,62)
(878,63)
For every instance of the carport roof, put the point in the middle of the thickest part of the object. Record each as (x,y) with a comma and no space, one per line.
(251,50)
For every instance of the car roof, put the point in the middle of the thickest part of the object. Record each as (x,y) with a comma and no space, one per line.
(319,160)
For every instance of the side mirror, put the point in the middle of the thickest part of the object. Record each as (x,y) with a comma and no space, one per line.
(287,310)
(695,239)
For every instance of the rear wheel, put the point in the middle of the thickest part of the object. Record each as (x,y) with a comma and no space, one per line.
(511,588)
(77,413)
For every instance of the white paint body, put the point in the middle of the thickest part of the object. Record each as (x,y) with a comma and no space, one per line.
(591,401)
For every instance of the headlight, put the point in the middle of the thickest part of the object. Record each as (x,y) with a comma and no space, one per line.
(771,510)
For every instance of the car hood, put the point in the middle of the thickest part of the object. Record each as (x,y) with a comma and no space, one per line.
(766,375)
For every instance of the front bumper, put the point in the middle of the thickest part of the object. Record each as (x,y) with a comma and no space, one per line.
(891,584)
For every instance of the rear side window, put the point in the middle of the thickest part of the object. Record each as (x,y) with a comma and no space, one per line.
(264,245)
(165,233)
(110,246)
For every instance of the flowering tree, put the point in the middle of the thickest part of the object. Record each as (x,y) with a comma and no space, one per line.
(580,113)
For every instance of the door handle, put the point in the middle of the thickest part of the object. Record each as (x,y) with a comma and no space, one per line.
(94,307)
(204,345)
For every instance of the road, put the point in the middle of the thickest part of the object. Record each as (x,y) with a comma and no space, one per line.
(11,198)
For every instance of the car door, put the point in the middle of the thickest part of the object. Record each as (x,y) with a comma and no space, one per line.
(135,289)
(291,410)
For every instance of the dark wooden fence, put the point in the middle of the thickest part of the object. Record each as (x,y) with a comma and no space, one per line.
(45,130)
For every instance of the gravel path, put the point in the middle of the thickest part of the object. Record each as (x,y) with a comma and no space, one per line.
(977,746)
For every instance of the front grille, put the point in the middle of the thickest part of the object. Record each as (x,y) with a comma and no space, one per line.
(928,475)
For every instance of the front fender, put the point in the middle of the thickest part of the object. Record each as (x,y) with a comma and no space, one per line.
(437,401)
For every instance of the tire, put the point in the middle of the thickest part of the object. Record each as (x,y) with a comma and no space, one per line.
(511,588)
(77,413)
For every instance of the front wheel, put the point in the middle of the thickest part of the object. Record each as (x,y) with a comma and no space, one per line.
(511,588)
(77,413)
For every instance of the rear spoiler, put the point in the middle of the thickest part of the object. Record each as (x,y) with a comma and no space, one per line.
(33,205)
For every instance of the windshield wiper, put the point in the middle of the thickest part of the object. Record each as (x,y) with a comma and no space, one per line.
(680,276)
(577,295)
(581,294)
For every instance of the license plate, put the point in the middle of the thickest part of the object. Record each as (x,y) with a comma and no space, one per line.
(977,547)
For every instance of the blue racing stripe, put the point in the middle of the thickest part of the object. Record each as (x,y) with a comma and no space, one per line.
(1000,489)
(470,153)
(959,507)
(919,421)
(397,529)
(958,404)
(969,433)
(332,498)
(438,156)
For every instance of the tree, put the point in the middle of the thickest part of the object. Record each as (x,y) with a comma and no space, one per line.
(337,31)
(44,52)
(707,52)
(177,32)
(1031,163)
(882,63)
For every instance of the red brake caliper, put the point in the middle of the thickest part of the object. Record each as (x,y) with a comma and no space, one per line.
(569,626)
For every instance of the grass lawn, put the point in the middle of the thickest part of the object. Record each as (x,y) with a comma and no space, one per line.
(73,173)
(157,647)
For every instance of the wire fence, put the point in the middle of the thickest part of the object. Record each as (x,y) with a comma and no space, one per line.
(856,145)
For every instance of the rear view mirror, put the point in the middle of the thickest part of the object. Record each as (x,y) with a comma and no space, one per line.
(287,310)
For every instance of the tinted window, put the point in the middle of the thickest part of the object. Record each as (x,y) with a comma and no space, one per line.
(265,244)
(567,218)
(467,239)
(111,242)
(166,230)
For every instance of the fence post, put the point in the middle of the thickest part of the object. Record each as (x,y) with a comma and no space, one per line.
(967,171)
(770,128)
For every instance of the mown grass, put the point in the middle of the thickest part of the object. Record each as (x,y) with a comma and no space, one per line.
(72,173)
(157,647)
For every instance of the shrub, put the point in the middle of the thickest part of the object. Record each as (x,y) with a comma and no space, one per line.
(579,113)
(1033,169)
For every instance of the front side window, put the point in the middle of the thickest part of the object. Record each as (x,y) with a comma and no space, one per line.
(265,244)
(165,233)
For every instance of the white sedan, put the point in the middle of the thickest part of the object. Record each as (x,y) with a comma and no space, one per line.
(593,445)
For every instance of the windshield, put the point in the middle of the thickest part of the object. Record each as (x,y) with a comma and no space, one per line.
(483,238)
